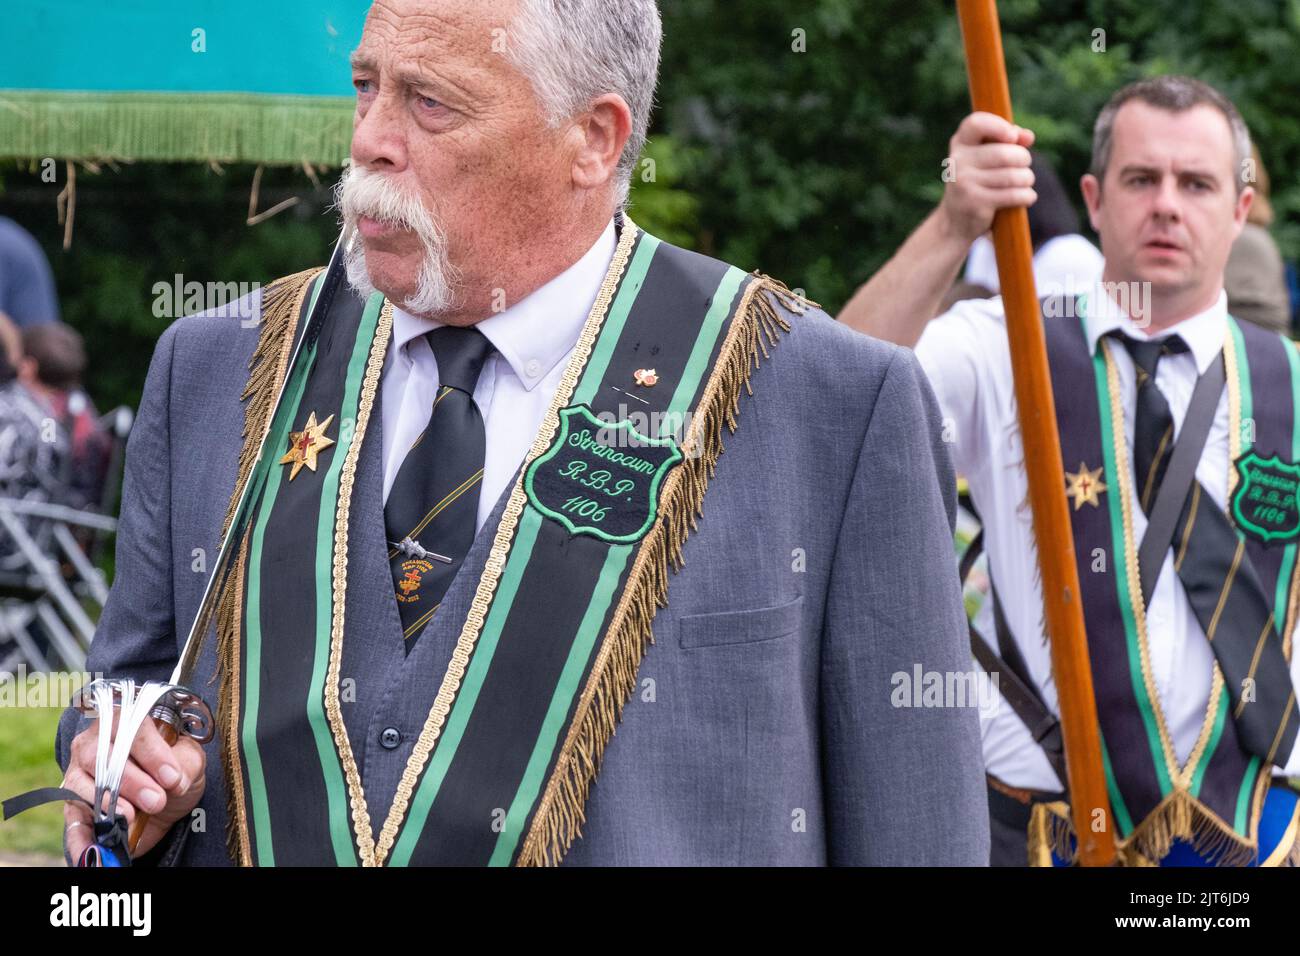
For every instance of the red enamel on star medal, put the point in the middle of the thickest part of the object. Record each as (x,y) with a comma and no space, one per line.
(1085,486)
(305,445)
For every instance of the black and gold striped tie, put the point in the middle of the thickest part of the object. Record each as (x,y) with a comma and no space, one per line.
(1221,584)
(432,508)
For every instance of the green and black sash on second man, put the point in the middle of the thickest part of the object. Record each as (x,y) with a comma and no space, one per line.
(1240,572)
(579,565)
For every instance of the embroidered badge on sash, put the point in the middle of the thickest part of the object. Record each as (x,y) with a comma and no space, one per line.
(1264,505)
(601,479)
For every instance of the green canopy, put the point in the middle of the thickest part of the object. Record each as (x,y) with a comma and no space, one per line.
(258,81)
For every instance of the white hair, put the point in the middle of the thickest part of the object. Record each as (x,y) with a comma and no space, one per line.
(573,51)
(379,196)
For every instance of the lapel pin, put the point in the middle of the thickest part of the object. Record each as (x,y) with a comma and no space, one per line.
(305,445)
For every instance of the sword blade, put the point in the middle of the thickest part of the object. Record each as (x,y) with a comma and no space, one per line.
(221,567)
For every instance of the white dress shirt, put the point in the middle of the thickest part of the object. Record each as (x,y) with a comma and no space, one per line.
(533,341)
(966,357)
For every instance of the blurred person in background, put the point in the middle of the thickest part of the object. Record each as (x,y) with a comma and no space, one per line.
(27,293)
(33,448)
(1255,278)
(52,369)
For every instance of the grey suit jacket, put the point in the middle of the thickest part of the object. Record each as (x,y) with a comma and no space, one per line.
(763,730)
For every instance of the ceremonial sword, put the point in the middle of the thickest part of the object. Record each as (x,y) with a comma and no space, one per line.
(173,707)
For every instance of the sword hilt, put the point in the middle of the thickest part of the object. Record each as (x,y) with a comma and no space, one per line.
(178,711)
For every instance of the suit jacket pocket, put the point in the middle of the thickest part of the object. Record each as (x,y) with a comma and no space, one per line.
(721,628)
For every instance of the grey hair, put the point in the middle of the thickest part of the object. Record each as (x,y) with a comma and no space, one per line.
(573,51)
(1175,94)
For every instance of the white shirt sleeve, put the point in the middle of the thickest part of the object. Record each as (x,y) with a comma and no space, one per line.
(960,352)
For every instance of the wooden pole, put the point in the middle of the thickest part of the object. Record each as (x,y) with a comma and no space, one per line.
(1089,805)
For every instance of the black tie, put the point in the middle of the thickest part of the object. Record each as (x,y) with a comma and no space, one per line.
(1222,587)
(432,509)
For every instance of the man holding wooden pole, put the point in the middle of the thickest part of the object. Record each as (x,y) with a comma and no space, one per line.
(1180,436)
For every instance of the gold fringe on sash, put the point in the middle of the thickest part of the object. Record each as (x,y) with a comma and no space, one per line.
(1050,832)
(229,607)
(560,814)
(1180,816)
(281,305)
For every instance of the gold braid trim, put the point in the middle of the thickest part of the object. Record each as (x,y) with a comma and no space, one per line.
(1124,488)
(361,824)
(1292,859)
(558,821)
(1292,610)
(1287,851)
(281,305)
(500,552)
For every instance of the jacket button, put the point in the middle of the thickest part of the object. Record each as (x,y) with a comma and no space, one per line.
(391,738)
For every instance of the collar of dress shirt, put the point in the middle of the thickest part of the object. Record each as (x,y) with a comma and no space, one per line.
(535,334)
(1204,332)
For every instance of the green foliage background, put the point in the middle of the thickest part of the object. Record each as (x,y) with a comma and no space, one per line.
(812,166)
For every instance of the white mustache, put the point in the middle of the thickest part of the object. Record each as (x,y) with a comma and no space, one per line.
(362,192)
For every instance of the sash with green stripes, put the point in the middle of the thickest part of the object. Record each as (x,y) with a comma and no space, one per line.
(562,612)
(1213,799)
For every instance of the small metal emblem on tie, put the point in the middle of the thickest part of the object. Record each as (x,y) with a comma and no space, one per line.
(646,377)
(412,549)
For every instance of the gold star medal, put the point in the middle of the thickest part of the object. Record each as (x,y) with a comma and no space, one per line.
(305,445)
(1085,486)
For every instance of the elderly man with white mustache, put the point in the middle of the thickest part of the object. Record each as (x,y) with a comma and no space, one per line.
(491,516)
